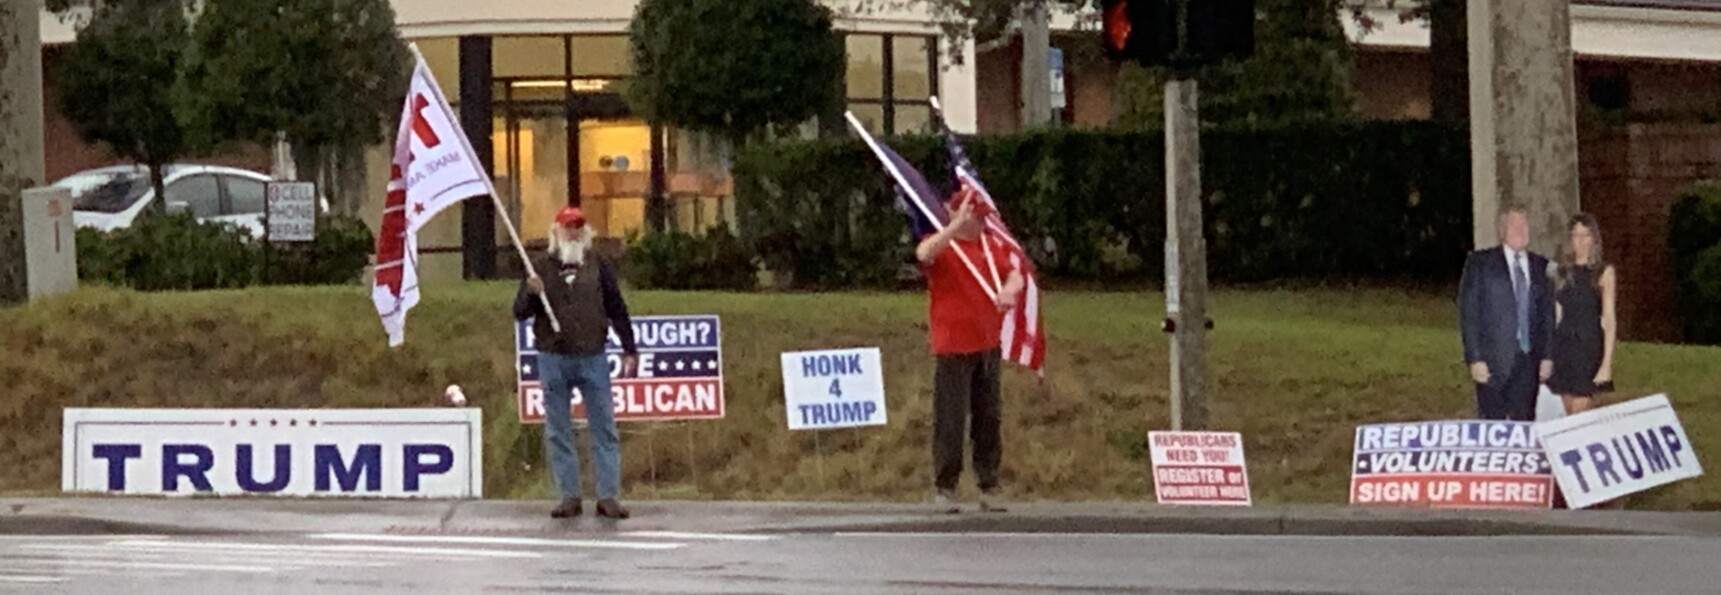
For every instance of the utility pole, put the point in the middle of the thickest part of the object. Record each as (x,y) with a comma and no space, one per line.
(1185,256)
(1182,35)
(21,164)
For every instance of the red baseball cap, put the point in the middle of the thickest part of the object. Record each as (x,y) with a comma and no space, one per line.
(967,194)
(571,217)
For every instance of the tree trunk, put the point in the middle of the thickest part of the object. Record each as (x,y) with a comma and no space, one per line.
(157,181)
(1449,60)
(21,162)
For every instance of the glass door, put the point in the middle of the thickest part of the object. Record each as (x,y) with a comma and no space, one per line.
(615,173)
(532,158)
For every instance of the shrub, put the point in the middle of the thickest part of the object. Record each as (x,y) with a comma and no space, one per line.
(177,252)
(338,255)
(1357,201)
(681,260)
(167,252)
(1694,238)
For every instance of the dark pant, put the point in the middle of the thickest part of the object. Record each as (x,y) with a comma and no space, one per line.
(965,396)
(1510,394)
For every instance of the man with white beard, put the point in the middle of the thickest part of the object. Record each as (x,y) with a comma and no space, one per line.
(582,289)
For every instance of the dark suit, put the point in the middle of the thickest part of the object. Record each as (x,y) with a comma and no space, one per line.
(1488,316)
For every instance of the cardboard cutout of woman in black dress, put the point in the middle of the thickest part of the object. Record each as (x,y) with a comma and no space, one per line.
(1585,331)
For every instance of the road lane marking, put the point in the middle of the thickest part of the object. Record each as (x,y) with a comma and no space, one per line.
(139,565)
(351,549)
(478,540)
(692,536)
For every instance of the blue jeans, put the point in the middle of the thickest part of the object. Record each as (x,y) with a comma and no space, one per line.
(591,374)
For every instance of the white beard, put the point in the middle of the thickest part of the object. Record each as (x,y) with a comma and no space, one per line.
(570,250)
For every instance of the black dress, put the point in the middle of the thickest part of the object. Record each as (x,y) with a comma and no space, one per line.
(1578,337)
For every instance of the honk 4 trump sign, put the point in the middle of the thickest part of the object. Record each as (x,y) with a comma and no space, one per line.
(836,388)
(1605,453)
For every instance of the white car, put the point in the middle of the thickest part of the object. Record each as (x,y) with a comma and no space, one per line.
(209,192)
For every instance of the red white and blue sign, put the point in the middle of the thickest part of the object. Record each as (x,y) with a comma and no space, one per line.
(1451,464)
(680,371)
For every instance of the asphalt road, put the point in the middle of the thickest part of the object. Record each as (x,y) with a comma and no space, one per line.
(596,559)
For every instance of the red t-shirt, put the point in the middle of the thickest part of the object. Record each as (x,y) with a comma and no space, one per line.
(963,318)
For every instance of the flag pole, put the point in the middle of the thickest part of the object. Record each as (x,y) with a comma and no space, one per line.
(489,185)
(921,204)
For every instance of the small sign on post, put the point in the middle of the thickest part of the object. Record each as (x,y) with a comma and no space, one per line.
(836,388)
(1199,468)
(292,212)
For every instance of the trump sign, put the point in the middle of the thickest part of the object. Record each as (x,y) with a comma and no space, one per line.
(837,388)
(680,371)
(1605,453)
(274,452)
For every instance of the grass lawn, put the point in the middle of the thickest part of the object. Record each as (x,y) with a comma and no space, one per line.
(1294,370)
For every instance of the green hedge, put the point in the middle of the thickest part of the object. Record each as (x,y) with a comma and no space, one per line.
(681,260)
(1373,200)
(1694,238)
(177,252)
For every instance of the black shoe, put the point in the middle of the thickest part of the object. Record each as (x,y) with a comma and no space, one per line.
(570,507)
(610,509)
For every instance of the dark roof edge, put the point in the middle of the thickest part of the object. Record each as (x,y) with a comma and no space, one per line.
(1694,5)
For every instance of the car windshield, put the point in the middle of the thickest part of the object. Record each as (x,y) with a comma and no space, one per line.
(113,196)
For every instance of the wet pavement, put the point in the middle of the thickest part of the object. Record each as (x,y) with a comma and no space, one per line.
(591,557)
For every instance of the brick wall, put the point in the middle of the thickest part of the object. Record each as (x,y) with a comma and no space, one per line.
(1631,175)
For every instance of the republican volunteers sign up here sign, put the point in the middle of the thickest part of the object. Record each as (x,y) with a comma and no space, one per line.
(680,371)
(1494,464)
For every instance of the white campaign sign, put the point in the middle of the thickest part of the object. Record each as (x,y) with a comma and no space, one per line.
(436,453)
(1605,453)
(837,388)
(1199,468)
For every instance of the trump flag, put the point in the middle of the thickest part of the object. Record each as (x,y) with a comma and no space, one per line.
(433,167)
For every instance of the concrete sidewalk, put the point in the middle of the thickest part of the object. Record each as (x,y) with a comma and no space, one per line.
(95,515)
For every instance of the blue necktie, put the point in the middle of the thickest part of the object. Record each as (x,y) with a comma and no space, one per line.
(1521,287)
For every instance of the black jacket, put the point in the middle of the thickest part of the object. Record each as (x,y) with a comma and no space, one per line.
(1488,310)
(527,305)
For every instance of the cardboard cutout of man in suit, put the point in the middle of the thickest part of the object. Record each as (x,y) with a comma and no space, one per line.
(1506,312)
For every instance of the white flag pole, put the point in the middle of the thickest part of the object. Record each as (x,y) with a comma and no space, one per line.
(525,261)
(900,180)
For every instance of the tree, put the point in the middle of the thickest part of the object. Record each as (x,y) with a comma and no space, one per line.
(116,83)
(733,67)
(20,135)
(326,75)
(1300,72)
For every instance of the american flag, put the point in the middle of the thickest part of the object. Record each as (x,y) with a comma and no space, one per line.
(1024,335)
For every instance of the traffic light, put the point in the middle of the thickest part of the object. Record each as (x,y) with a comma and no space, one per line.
(1140,30)
(1220,30)
(1146,31)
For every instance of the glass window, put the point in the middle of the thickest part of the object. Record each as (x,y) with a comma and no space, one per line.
(528,57)
(911,63)
(871,116)
(538,90)
(865,65)
(600,55)
(199,192)
(442,54)
(244,195)
(912,119)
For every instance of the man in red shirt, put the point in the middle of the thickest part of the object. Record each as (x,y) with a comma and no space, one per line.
(966,324)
